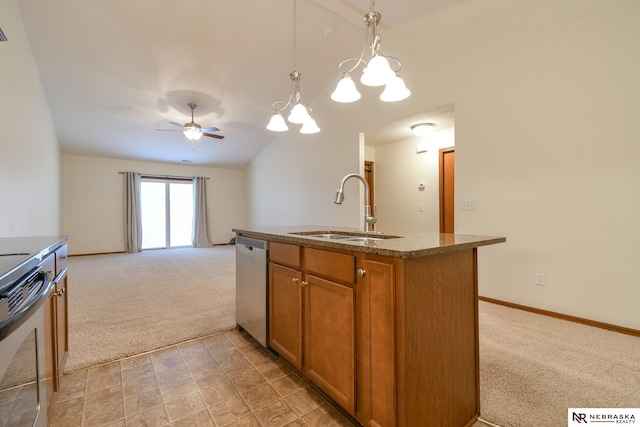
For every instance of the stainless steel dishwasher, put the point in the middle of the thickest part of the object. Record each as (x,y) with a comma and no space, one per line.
(251,287)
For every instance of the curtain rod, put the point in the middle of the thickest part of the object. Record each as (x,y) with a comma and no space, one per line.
(150,175)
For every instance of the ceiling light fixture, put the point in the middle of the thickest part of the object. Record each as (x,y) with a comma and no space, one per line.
(300,113)
(377,72)
(421,129)
(192,131)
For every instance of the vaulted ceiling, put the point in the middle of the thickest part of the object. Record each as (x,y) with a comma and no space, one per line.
(115,71)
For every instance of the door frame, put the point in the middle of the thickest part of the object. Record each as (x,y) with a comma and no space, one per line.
(369,175)
(443,189)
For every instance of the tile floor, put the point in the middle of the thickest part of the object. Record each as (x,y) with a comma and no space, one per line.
(223,380)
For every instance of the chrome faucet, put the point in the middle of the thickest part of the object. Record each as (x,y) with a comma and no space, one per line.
(369,219)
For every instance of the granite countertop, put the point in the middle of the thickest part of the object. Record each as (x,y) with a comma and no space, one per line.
(21,253)
(405,246)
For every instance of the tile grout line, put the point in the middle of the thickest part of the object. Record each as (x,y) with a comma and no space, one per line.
(245,349)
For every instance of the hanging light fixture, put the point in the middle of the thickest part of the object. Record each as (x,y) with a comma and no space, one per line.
(192,131)
(380,70)
(300,113)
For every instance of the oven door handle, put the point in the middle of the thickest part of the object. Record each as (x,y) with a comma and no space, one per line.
(14,321)
(57,280)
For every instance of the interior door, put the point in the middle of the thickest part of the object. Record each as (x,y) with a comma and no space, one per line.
(369,177)
(447,200)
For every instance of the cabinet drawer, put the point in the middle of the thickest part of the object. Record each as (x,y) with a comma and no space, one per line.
(61,259)
(284,253)
(330,264)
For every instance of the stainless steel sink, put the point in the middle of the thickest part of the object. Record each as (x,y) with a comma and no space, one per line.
(363,239)
(347,235)
(331,236)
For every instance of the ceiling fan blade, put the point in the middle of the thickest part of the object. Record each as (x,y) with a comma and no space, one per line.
(177,124)
(212,129)
(212,135)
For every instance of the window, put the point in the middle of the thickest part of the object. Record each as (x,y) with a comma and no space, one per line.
(167,213)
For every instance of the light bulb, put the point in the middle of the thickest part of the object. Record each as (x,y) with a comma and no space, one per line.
(395,90)
(192,133)
(346,91)
(309,126)
(378,72)
(298,114)
(277,123)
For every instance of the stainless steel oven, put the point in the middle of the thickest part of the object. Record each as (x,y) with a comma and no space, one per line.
(22,385)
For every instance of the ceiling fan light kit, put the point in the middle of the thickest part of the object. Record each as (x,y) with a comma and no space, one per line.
(193,131)
(380,70)
(300,113)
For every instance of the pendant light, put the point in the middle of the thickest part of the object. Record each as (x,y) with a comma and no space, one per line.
(300,113)
(379,70)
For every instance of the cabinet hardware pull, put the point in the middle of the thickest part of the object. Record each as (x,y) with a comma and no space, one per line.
(294,279)
(60,292)
(362,272)
(304,283)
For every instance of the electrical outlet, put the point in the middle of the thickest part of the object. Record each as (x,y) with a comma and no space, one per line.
(540,279)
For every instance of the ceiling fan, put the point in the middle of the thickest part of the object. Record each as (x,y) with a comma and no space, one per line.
(193,131)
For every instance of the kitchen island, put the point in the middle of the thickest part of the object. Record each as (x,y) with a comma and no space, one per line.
(384,325)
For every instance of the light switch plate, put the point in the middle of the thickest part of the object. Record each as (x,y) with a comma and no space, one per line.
(468,205)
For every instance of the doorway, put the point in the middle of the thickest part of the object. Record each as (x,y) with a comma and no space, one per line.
(167,213)
(447,200)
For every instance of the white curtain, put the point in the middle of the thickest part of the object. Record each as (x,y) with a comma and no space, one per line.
(132,213)
(200,237)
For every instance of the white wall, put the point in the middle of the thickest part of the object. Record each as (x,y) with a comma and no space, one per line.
(294,179)
(398,172)
(93,200)
(29,150)
(546,96)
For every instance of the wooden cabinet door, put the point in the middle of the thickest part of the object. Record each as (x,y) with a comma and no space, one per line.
(49,308)
(285,313)
(50,349)
(376,345)
(62,326)
(329,339)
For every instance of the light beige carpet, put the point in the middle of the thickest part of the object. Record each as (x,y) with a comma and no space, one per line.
(125,304)
(533,368)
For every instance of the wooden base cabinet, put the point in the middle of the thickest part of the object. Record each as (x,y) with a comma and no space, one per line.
(312,316)
(418,353)
(50,373)
(392,341)
(62,314)
(56,324)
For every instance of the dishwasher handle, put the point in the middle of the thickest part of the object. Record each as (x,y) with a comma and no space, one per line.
(252,244)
